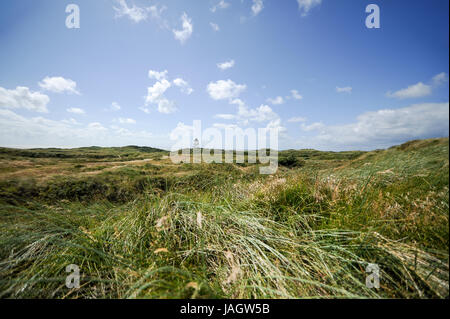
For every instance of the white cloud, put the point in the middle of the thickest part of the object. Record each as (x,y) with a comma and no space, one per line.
(145,109)
(297,120)
(19,131)
(166,106)
(440,79)
(420,89)
(238,102)
(22,97)
(135,13)
(224,127)
(181,130)
(115,106)
(245,115)
(155,95)
(58,84)
(155,92)
(223,90)
(183,85)
(138,14)
(221,5)
(226,116)
(262,113)
(306,5)
(156,15)
(257,7)
(71,121)
(122,120)
(347,89)
(383,128)
(296,95)
(157,75)
(412,91)
(276,125)
(187,28)
(96,126)
(76,110)
(276,101)
(226,65)
(312,127)
(214,26)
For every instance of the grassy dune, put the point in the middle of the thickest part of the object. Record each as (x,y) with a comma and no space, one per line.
(140,226)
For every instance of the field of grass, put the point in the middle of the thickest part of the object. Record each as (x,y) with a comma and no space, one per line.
(139,226)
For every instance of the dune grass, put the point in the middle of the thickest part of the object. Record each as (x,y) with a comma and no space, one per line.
(223,231)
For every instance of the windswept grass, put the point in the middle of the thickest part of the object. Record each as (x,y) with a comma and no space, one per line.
(219,231)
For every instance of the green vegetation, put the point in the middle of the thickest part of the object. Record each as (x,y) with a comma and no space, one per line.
(139,226)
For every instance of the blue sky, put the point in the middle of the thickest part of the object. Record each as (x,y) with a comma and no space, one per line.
(310,68)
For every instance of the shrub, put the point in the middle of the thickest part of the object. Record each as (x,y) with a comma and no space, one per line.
(291,161)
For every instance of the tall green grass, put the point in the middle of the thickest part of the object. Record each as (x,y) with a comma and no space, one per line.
(217,234)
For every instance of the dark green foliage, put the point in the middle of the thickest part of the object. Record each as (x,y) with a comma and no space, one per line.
(291,161)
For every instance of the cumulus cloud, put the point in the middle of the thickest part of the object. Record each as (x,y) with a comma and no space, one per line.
(296,95)
(166,106)
(306,5)
(155,92)
(214,26)
(71,121)
(181,130)
(420,89)
(20,131)
(257,7)
(223,90)
(245,116)
(276,125)
(262,113)
(58,84)
(226,65)
(155,95)
(135,13)
(312,127)
(440,79)
(138,14)
(223,126)
(412,91)
(226,116)
(383,128)
(157,75)
(22,97)
(346,89)
(76,110)
(183,85)
(220,6)
(276,101)
(297,120)
(145,109)
(122,120)
(186,31)
(96,126)
(115,106)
